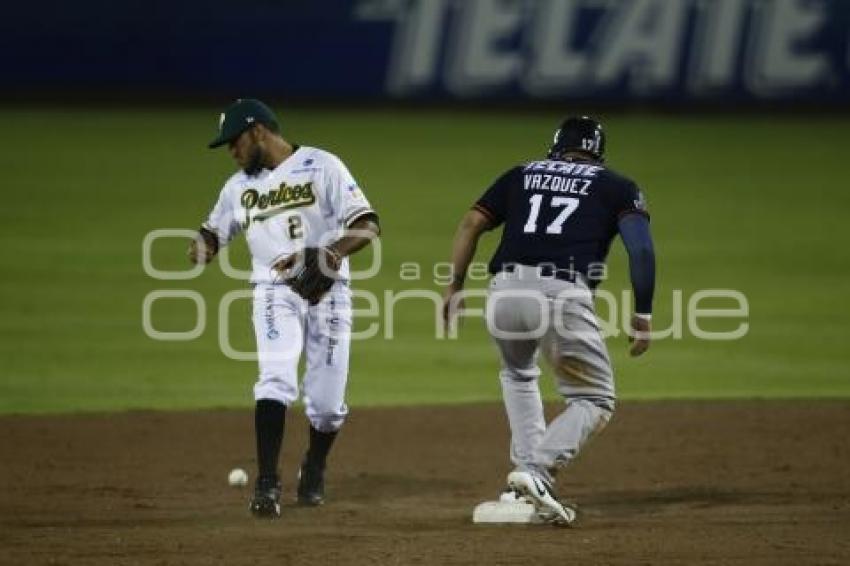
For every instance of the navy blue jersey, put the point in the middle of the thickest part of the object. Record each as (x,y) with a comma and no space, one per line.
(561,213)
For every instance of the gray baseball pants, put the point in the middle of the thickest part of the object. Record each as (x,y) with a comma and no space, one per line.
(527,314)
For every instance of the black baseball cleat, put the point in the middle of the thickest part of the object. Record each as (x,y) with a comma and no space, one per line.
(311,485)
(266,501)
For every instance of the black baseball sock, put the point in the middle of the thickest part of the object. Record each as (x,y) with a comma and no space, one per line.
(269,420)
(320,446)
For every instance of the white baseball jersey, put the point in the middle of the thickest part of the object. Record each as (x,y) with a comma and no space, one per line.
(306,201)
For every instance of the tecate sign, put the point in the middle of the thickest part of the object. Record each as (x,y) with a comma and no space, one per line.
(615,48)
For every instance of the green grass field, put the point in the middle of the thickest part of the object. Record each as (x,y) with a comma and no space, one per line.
(755,204)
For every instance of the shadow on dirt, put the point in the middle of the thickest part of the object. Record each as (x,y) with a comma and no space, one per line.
(367,486)
(632,502)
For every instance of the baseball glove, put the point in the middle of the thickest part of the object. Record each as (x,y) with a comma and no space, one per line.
(310,273)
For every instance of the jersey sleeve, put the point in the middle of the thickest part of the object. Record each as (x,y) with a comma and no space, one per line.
(494,202)
(349,202)
(222,220)
(634,230)
(627,198)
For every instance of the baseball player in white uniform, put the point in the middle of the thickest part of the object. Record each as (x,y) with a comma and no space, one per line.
(291,201)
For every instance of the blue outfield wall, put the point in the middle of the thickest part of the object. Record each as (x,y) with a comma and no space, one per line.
(612,50)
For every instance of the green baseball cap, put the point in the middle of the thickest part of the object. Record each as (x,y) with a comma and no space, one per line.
(240,116)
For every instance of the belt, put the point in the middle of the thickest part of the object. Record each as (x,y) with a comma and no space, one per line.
(548,272)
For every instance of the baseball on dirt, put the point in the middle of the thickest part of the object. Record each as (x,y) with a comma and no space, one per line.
(237,478)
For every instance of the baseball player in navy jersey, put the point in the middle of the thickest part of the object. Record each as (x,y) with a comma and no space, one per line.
(559,217)
(303,214)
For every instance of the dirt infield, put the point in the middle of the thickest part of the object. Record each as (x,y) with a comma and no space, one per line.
(667,483)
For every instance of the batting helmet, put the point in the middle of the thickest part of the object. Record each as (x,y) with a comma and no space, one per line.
(579,134)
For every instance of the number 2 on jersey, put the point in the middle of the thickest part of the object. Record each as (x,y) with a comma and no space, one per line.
(295,227)
(569,205)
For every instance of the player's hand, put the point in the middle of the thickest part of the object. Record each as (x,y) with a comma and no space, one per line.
(639,335)
(284,267)
(329,263)
(331,259)
(452,304)
(203,248)
(310,273)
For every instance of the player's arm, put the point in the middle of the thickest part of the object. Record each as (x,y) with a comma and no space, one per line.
(219,228)
(469,231)
(636,236)
(487,213)
(352,209)
(472,225)
(357,236)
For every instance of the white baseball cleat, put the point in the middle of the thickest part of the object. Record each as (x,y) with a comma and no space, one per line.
(543,497)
